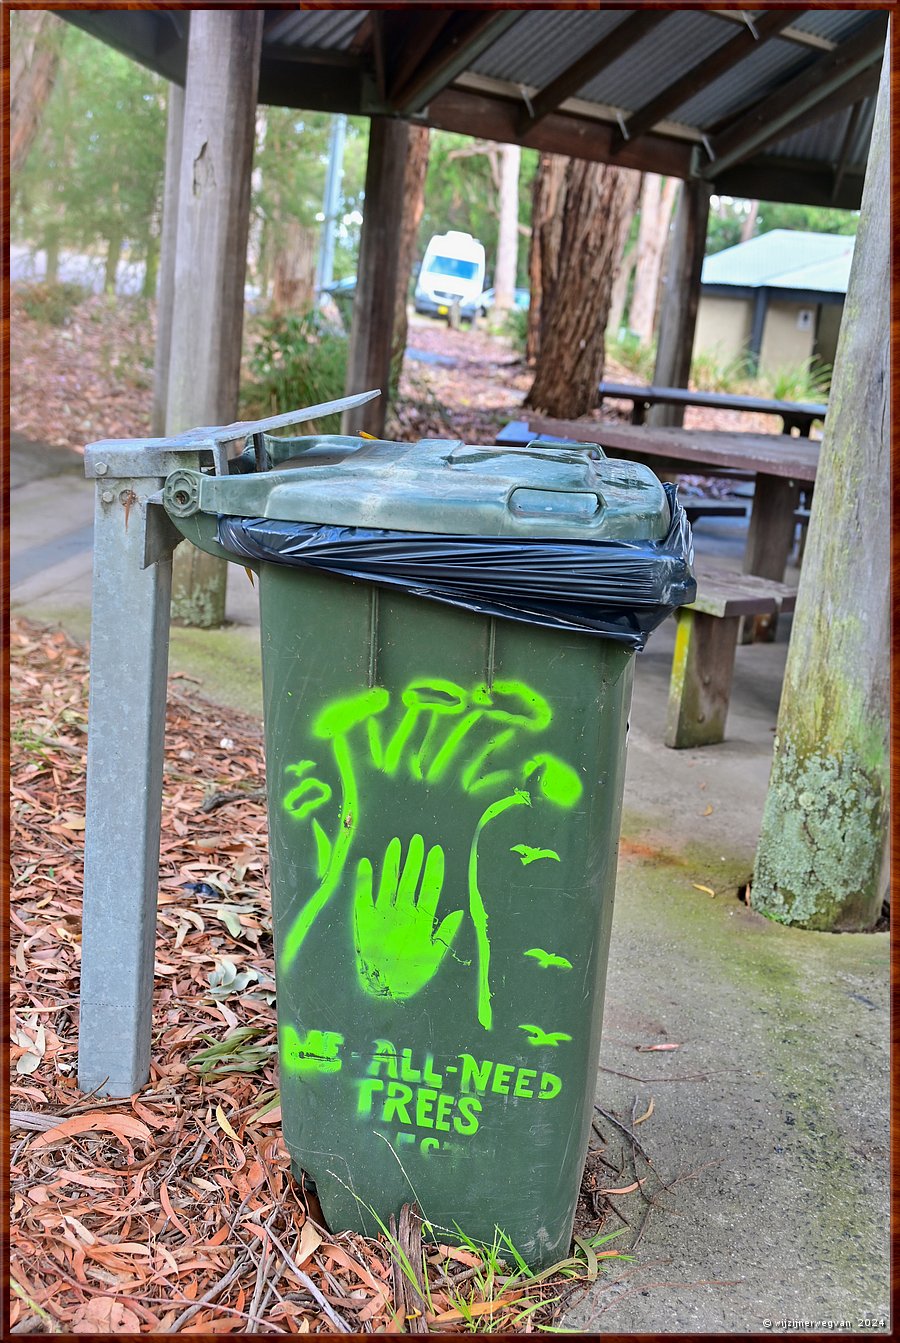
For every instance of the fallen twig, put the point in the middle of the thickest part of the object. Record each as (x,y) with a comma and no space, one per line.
(234,795)
(340,1324)
(629,1133)
(216,1290)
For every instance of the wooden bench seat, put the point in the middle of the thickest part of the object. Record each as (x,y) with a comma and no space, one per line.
(714,508)
(705,646)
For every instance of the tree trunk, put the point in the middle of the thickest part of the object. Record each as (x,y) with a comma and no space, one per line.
(546,231)
(820,858)
(51,251)
(413,205)
(151,267)
(508,231)
(596,202)
(111,267)
(211,259)
(657,198)
(165,292)
(371,332)
(294,269)
(748,228)
(619,296)
(680,297)
(35,37)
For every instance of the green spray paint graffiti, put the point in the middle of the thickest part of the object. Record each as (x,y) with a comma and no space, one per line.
(530,855)
(547,958)
(439,737)
(313,1052)
(398,947)
(451,1101)
(540,1038)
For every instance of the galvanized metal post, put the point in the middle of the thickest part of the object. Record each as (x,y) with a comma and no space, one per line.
(325,268)
(132,579)
(126,715)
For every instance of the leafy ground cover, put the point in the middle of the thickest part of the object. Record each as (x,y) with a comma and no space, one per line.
(175,1211)
(90,376)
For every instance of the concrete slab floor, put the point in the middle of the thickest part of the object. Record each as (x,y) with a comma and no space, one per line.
(778,1140)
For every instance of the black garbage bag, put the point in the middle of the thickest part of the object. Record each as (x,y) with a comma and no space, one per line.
(618,590)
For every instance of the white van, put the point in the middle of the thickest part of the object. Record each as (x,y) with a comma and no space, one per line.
(452,271)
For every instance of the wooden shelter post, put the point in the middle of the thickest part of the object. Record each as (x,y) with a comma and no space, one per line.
(211,258)
(369,358)
(821,852)
(681,297)
(165,288)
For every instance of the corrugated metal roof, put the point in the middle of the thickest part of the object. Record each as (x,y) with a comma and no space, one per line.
(823,142)
(324,29)
(682,41)
(767,67)
(543,43)
(537,47)
(784,259)
(831,23)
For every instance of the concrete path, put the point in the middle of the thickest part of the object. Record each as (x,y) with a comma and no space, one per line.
(770,1121)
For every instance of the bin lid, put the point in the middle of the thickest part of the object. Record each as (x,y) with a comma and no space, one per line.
(564,491)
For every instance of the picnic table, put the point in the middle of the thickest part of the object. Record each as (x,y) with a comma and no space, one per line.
(779,464)
(794,414)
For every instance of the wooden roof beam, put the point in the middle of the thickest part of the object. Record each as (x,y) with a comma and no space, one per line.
(799,36)
(589,65)
(862,86)
(700,76)
(771,117)
(461,42)
(410,38)
(846,146)
(492,118)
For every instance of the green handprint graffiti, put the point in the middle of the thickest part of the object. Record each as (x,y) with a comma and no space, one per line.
(398,947)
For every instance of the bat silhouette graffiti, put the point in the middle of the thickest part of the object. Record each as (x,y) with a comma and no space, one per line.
(548,958)
(530,855)
(539,1037)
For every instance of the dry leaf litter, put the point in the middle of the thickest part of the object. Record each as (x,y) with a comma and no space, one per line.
(176,1211)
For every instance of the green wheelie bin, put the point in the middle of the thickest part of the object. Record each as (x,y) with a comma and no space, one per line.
(448,636)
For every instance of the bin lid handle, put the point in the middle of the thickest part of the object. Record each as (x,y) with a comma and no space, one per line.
(228,433)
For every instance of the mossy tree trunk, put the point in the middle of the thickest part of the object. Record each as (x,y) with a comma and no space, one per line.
(819,861)
(211,260)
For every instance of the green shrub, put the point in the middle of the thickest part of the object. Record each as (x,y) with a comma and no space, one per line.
(53,301)
(711,373)
(515,326)
(628,349)
(807,381)
(297,360)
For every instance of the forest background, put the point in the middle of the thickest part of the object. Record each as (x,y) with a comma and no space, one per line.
(88,161)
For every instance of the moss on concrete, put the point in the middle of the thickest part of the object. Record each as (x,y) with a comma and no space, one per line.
(792,981)
(225,662)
